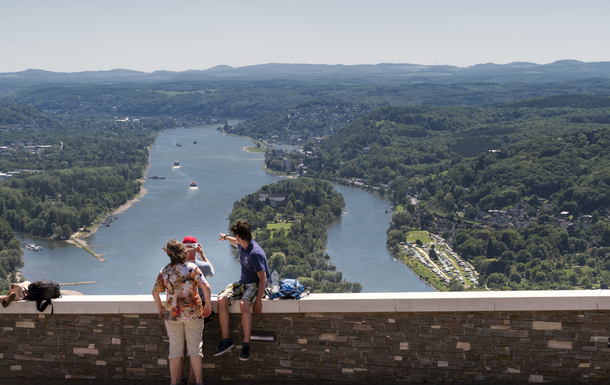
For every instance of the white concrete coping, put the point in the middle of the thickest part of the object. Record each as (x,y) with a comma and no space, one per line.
(559,300)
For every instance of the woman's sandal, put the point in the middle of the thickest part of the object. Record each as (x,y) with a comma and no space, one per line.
(8,299)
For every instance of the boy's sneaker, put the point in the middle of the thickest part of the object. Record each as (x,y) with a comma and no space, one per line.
(225,345)
(245,352)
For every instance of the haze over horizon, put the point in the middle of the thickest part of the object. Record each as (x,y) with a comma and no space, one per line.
(148,36)
(263,64)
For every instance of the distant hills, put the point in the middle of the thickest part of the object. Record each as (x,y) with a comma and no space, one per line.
(383,73)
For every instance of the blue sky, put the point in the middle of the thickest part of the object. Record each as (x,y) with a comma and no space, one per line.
(71,36)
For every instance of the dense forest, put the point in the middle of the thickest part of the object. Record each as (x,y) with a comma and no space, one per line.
(560,185)
(540,165)
(10,256)
(520,190)
(66,173)
(15,115)
(289,220)
(58,203)
(396,143)
(207,101)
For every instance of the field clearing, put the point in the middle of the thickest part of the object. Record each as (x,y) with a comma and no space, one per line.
(423,236)
(277,226)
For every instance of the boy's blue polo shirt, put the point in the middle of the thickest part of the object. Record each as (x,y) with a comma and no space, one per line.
(252,260)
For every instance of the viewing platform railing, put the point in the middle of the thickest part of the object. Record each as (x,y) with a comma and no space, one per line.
(517,336)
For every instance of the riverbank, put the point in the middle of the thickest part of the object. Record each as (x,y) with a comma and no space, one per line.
(77,238)
(278,174)
(258,145)
(252,149)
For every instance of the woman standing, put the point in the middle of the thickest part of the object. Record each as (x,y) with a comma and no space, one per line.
(183,312)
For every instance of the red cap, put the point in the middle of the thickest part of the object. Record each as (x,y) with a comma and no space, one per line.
(189,242)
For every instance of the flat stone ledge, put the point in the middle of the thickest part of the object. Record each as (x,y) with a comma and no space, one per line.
(559,300)
(549,300)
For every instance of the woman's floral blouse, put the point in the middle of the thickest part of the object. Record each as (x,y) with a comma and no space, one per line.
(182,301)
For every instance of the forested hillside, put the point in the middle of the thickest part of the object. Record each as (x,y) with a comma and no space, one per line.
(398,143)
(58,203)
(202,101)
(571,170)
(522,192)
(556,191)
(10,256)
(65,173)
(15,115)
(292,230)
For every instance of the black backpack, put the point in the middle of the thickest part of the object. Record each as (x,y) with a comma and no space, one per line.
(42,292)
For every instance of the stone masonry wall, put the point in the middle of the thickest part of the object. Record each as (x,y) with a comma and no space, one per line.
(517,346)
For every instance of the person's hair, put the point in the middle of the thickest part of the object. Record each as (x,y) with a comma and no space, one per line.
(242,230)
(175,251)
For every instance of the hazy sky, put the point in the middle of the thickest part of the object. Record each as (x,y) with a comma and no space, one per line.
(149,35)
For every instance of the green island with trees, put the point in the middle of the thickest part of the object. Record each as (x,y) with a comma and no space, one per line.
(289,220)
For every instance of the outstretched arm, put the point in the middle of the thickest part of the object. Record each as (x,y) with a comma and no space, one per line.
(226,237)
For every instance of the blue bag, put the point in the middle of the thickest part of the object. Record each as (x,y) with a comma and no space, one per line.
(290,288)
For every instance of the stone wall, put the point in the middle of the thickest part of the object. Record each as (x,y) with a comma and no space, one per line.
(408,337)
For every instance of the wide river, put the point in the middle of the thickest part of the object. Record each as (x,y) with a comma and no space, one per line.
(170,208)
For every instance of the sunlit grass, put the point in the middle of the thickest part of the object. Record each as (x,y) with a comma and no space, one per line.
(423,236)
(277,226)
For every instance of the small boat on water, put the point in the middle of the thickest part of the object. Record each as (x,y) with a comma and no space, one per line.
(31,246)
(178,144)
(194,142)
(176,164)
(193,183)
